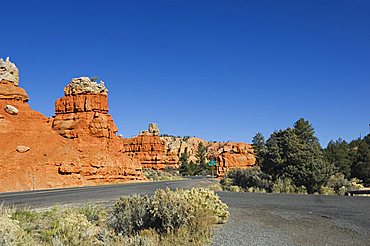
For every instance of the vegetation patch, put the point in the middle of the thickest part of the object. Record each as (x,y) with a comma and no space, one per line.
(167,218)
(166,175)
(292,161)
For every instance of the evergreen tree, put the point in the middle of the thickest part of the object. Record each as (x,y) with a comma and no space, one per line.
(201,156)
(361,160)
(338,154)
(259,147)
(296,153)
(184,164)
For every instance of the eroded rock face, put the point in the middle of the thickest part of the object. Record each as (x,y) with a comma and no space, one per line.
(82,150)
(229,155)
(84,111)
(9,71)
(149,150)
(234,155)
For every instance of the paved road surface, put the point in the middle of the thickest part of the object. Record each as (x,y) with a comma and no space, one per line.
(256,219)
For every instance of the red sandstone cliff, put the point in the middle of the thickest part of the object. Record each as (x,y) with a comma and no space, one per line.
(82,150)
(229,155)
(149,149)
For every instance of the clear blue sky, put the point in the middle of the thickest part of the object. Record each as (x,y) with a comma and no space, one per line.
(219,70)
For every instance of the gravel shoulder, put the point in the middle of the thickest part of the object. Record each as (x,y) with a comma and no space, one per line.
(289,219)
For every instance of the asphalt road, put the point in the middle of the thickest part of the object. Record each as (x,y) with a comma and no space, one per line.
(91,194)
(255,219)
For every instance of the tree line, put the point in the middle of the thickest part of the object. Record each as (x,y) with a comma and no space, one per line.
(296,154)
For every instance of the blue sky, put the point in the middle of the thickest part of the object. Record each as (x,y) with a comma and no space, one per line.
(219,70)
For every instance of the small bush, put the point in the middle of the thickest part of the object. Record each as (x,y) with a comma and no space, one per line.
(248,178)
(94,214)
(154,175)
(10,231)
(73,229)
(341,185)
(324,190)
(235,188)
(169,210)
(109,238)
(130,215)
(206,201)
(168,217)
(256,190)
(301,190)
(283,186)
(226,182)
(215,187)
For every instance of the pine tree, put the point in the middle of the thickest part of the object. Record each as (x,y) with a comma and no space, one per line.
(338,154)
(295,153)
(361,160)
(259,147)
(201,156)
(184,164)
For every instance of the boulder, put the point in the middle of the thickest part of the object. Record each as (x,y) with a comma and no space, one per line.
(153,129)
(23,149)
(9,71)
(84,85)
(11,109)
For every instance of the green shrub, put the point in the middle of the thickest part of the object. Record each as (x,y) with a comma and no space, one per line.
(151,174)
(283,186)
(11,232)
(215,187)
(341,185)
(169,210)
(130,215)
(73,229)
(226,182)
(256,190)
(167,218)
(324,190)
(235,188)
(250,177)
(154,175)
(94,214)
(109,238)
(301,190)
(355,183)
(206,201)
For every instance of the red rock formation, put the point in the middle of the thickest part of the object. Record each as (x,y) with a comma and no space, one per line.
(84,152)
(82,116)
(10,92)
(234,155)
(81,112)
(79,146)
(150,151)
(229,155)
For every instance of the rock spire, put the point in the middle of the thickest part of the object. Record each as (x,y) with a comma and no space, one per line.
(8,71)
